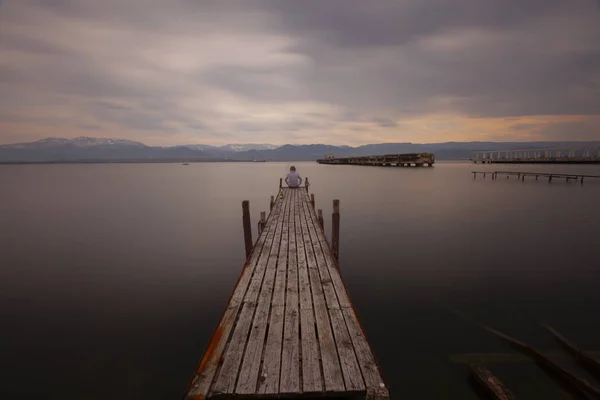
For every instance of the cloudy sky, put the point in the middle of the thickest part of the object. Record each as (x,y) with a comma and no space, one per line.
(300,71)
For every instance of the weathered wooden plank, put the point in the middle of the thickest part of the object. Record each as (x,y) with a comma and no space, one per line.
(290,356)
(242,285)
(364,355)
(281,274)
(303,280)
(312,380)
(201,383)
(351,371)
(326,282)
(329,273)
(332,372)
(227,377)
(205,373)
(250,368)
(334,273)
(271,368)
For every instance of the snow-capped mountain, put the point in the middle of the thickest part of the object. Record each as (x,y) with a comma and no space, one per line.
(87,149)
(199,147)
(92,149)
(81,141)
(237,147)
(84,141)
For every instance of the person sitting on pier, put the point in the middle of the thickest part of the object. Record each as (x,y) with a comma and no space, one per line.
(293,179)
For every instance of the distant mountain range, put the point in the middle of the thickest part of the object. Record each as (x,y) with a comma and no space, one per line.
(88,149)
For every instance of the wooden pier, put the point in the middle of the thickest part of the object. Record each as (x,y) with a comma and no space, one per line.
(570,155)
(289,329)
(521,175)
(389,160)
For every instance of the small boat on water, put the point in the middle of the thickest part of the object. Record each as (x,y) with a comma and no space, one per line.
(185,164)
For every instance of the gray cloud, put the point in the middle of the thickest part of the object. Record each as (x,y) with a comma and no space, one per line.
(262,70)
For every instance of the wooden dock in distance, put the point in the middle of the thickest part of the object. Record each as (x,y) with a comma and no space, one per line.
(587,154)
(289,329)
(389,160)
(522,175)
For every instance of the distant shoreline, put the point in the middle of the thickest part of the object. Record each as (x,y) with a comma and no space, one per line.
(175,161)
(129,162)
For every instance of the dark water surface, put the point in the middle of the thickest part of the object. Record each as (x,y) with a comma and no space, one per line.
(114,276)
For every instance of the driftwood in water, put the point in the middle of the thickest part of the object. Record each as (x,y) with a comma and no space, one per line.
(492,385)
(576,382)
(589,363)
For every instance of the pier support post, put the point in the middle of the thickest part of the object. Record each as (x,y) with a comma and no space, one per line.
(312,200)
(280,183)
(247,227)
(306,184)
(262,222)
(335,230)
(272,203)
(322,222)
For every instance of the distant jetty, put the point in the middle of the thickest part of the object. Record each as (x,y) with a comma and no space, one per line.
(571,155)
(388,160)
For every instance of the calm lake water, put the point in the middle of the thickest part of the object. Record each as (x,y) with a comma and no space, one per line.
(114,276)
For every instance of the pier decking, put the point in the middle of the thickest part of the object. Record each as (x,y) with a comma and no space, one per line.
(388,160)
(289,329)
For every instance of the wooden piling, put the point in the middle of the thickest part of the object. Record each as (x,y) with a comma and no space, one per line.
(335,230)
(247,227)
(312,200)
(280,183)
(321,221)
(272,203)
(306,184)
(262,222)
